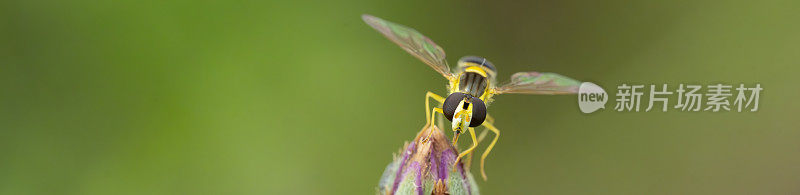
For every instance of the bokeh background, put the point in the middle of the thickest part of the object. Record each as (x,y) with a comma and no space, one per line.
(301,97)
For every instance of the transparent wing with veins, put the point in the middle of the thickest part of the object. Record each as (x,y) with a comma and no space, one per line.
(539,83)
(413,42)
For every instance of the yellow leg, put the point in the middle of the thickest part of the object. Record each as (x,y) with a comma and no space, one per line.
(428,96)
(491,127)
(485,131)
(483,134)
(433,116)
(474,144)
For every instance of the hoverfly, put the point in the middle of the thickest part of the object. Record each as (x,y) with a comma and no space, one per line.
(472,84)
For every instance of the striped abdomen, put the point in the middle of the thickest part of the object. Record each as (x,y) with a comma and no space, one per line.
(472,83)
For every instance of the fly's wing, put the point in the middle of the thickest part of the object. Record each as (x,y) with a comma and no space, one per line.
(413,42)
(539,83)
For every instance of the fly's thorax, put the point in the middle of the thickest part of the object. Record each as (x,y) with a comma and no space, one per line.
(488,69)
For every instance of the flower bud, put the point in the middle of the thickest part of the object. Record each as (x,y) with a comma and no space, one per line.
(426,167)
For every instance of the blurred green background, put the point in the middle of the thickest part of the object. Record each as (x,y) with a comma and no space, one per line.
(301,97)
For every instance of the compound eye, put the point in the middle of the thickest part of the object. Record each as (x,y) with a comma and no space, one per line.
(478,112)
(451,103)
